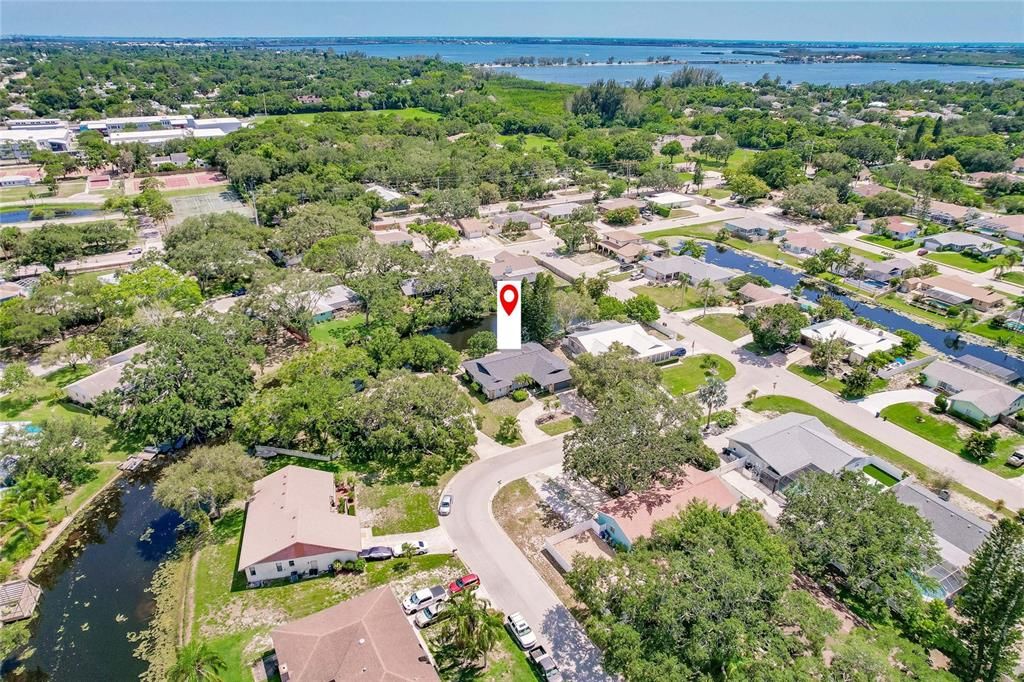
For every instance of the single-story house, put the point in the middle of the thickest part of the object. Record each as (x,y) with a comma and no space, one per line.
(670,200)
(861,342)
(393,238)
(599,338)
(946,213)
(958,534)
(972,395)
(471,228)
(502,219)
(888,269)
(754,297)
(779,451)
(336,299)
(754,228)
(179,159)
(367,637)
(384,193)
(630,517)
(292,526)
(944,291)
(616,204)
(867,189)
(804,242)
(558,211)
(896,227)
(1018,165)
(85,391)
(498,373)
(512,266)
(1011,226)
(963,242)
(627,247)
(668,269)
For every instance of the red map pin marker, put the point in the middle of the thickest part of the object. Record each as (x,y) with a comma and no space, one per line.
(509,298)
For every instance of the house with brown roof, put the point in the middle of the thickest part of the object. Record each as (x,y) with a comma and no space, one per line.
(393,238)
(292,526)
(513,266)
(471,228)
(364,639)
(804,242)
(617,203)
(630,517)
(943,291)
(754,297)
(627,247)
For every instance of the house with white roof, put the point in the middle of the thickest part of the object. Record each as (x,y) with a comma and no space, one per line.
(599,338)
(676,267)
(754,227)
(861,341)
(292,526)
(86,390)
(384,193)
(670,200)
(963,242)
(975,396)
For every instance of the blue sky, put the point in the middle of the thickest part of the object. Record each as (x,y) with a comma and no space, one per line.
(866,20)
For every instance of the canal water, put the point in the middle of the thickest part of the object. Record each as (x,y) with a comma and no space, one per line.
(458,336)
(95,590)
(21,216)
(943,340)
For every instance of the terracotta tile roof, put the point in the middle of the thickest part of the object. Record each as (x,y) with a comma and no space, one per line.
(364,639)
(637,513)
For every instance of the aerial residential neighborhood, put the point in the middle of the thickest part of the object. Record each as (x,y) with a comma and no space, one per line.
(760,414)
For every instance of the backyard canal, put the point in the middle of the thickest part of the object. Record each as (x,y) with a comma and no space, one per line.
(95,588)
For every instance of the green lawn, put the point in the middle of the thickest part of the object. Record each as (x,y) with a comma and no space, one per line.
(887,242)
(399,508)
(491,412)
(308,117)
(769,250)
(699,231)
(672,297)
(881,476)
(898,303)
(538,98)
(53,207)
(782,404)
(831,384)
(736,159)
(337,332)
(559,426)
(716,193)
(958,260)
(727,326)
(870,255)
(1014,277)
(689,374)
(998,335)
(231,618)
(944,433)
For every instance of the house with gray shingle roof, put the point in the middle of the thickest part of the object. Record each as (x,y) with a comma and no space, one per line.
(668,269)
(781,450)
(498,373)
(972,395)
(964,242)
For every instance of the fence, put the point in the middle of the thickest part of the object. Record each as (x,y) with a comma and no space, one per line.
(267,451)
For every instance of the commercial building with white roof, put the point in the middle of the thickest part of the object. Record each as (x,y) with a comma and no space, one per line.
(670,200)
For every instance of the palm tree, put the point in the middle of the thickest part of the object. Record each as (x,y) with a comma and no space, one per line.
(471,626)
(197,662)
(22,522)
(706,288)
(1019,302)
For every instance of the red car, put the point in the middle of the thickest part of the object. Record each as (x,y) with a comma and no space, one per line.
(466,582)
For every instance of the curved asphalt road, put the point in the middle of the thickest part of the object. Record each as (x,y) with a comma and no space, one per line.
(507,575)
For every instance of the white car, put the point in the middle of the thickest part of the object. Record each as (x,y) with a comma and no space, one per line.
(430,614)
(445,507)
(420,599)
(418,547)
(520,631)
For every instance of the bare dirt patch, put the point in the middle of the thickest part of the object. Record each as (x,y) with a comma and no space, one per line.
(528,520)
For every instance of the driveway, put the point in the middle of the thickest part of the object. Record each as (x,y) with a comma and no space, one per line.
(507,575)
(876,401)
(437,540)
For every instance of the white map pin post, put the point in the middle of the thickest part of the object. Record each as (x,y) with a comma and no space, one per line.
(510,316)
